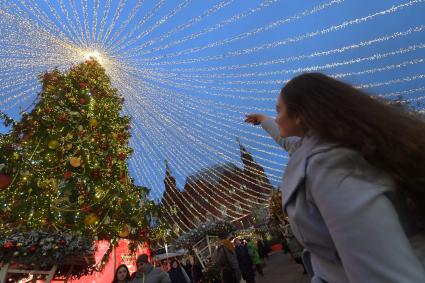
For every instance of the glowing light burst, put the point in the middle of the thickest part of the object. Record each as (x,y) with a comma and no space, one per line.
(94,54)
(190,70)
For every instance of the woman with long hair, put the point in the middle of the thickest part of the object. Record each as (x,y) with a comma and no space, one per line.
(177,273)
(122,274)
(354,186)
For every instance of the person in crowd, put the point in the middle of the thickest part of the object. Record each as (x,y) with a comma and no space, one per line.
(197,271)
(146,273)
(122,274)
(244,260)
(353,188)
(262,249)
(177,273)
(188,268)
(255,257)
(165,265)
(224,257)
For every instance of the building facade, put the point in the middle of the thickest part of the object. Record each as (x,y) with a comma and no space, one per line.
(223,191)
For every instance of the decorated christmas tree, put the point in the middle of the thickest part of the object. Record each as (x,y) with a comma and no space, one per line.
(64,168)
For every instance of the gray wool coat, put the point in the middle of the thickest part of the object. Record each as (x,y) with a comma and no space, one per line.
(341,213)
(152,275)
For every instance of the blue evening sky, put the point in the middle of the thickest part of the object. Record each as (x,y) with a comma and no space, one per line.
(197,136)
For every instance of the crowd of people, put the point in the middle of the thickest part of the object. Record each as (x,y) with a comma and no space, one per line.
(245,256)
(239,259)
(146,273)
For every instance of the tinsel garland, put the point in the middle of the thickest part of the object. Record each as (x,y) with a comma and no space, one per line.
(35,249)
(212,228)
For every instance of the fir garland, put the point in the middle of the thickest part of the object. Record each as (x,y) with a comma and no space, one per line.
(213,228)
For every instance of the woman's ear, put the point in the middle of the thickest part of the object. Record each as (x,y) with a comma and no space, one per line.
(298,121)
(301,125)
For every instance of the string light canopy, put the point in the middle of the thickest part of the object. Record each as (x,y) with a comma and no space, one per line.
(189,71)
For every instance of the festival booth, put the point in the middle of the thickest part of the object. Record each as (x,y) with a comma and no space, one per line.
(119,255)
(62,271)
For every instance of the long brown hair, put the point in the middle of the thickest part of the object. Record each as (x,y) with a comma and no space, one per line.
(127,278)
(390,138)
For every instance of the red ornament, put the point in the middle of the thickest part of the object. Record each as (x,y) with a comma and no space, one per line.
(83,85)
(82,100)
(62,118)
(32,249)
(5,181)
(123,179)
(67,175)
(86,208)
(80,188)
(96,174)
(142,232)
(48,77)
(8,245)
(4,217)
(48,110)
(62,242)
(122,156)
(109,161)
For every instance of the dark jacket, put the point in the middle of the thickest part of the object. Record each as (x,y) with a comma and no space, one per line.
(245,262)
(225,257)
(188,268)
(177,275)
(262,250)
(197,272)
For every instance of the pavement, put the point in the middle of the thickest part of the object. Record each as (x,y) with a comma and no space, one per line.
(281,268)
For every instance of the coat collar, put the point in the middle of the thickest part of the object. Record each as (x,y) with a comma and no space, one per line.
(141,274)
(295,171)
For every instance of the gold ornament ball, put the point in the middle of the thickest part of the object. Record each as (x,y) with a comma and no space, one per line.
(99,193)
(93,122)
(81,199)
(91,219)
(68,146)
(15,155)
(125,231)
(75,161)
(53,144)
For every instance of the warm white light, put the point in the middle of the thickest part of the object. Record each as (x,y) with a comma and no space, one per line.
(93,54)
